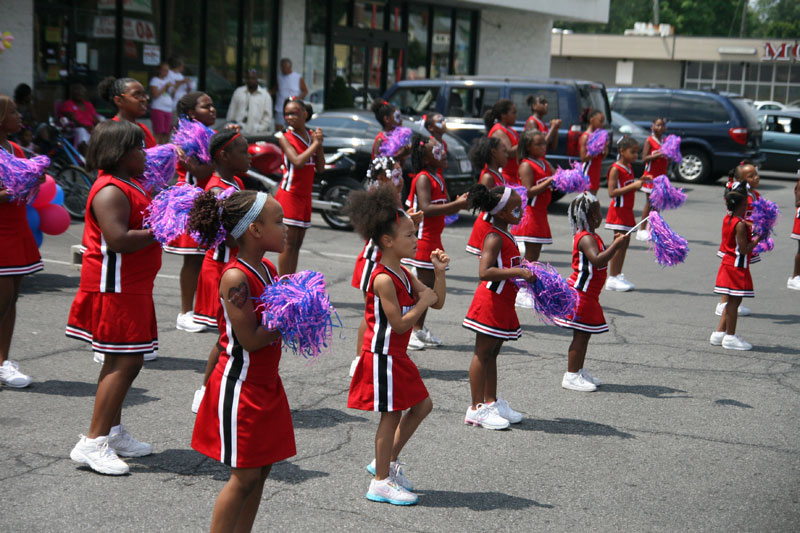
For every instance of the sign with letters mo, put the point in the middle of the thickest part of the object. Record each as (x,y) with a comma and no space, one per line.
(781,51)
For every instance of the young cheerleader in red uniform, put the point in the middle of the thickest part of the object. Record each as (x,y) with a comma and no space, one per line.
(492,315)
(302,157)
(389,117)
(244,420)
(197,106)
(536,175)
(622,187)
(500,121)
(794,281)
(429,195)
(539,107)
(130,99)
(385,379)
(19,254)
(437,127)
(733,277)
(655,165)
(592,163)
(114,310)
(488,154)
(590,258)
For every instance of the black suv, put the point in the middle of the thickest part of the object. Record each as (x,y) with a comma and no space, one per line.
(717,130)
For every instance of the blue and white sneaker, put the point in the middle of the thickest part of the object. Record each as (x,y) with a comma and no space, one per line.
(395,472)
(389,491)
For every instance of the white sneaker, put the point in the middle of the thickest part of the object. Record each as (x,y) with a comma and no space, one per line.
(198,397)
(733,342)
(505,411)
(642,235)
(389,491)
(186,322)
(588,377)
(125,445)
(395,472)
(622,278)
(99,456)
(428,338)
(152,356)
(485,416)
(615,283)
(414,342)
(575,381)
(524,299)
(742,311)
(793,283)
(716,338)
(11,376)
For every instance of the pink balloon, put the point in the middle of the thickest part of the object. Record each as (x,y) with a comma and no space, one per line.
(47,191)
(53,219)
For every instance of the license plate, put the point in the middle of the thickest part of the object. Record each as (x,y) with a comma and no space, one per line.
(466,165)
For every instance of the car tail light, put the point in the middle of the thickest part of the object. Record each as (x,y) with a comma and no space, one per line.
(739,135)
(573,138)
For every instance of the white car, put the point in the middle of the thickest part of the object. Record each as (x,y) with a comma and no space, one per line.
(768,105)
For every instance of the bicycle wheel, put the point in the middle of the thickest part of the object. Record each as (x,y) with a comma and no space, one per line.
(76,183)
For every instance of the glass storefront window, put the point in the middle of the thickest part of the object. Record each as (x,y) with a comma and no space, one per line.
(736,72)
(222,31)
(259,26)
(692,70)
(184,39)
(765,75)
(418,20)
(752,72)
(368,14)
(440,52)
(141,47)
(314,53)
(463,49)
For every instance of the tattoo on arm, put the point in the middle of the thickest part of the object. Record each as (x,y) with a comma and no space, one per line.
(238,295)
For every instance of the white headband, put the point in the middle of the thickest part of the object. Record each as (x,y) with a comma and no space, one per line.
(503,201)
(250,216)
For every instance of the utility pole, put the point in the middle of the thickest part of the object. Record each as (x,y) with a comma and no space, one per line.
(655,13)
(744,19)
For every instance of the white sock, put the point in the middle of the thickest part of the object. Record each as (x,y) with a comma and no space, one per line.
(115,429)
(572,375)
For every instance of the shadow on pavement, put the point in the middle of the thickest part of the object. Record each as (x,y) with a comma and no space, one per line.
(570,426)
(178,363)
(293,474)
(44,282)
(670,291)
(788,320)
(82,389)
(444,375)
(733,403)
(619,312)
(322,418)
(475,501)
(648,391)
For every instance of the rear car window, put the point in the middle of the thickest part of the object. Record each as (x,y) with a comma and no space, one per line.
(642,106)
(593,97)
(415,100)
(519,95)
(746,110)
(471,102)
(696,108)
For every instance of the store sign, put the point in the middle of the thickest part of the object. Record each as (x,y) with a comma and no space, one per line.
(151,55)
(781,52)
(132,29)
(141,6)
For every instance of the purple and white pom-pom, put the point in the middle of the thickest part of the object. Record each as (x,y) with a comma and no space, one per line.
(597,142)
(764,217)
(193,138)
(299,307)
(671,148)
(553,296)
(664,195)
(20,176)
(161,162)
(767,245)
(449,219)
(168,213)
(668,247)
(395,141)
(569,180)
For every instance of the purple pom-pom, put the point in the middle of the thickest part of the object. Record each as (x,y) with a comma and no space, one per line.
(767,245)
(764,217)
(597,142)
(20,176)
(572,179)
(668,247)
(395,141)
(299,307)
(671,148)
(168,213)
(664,195)
(160,166)
(553,296)
(193,138)
(449,219)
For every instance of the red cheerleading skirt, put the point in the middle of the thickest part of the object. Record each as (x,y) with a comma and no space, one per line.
(620,218)
(588,316)
(206,302)
(114,323)
(425,248)
(734,281)
(398,387)
(796,229)
(479,230)
(184,244)
(493,314)
(296,209)
(534,227)
(19,254)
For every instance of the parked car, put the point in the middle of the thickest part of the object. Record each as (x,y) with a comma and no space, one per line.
(768,105)
(717,130)
(781,139)
(464,99)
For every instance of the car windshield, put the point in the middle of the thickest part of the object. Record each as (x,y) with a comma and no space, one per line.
(415,100)
(593,97)
(747,112)
(626,126)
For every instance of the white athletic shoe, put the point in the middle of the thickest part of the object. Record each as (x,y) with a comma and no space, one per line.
(588,377)
(389,491)
(395,472)
(616,283)
(716,338)
(125,445)
(99,456)
(428,338)
(742,311)
(505,411)
(485,416)
(353,366)
(642,235)
(622,278)
(414,342)
(11,376)
(575,381)
(186,322)
(733,342)
(198,398)
(524,300)
(793,283)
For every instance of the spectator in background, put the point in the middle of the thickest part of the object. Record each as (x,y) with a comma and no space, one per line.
(23,97)
(289,84)
(82,114)
(181,84)
(251,107)
(161,90)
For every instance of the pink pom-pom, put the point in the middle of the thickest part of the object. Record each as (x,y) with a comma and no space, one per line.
(767,245)
(597,142)
(669,247)
(193,138)
(160,165)
(20,176)
(168,213)
(664,195)
(572,179)
(671,148)
(395,141)
(553,296)
(764,217)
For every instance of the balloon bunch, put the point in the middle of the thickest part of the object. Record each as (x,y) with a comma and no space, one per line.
(46,213)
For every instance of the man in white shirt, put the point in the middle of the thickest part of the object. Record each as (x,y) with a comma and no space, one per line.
(289,84)
(251,107)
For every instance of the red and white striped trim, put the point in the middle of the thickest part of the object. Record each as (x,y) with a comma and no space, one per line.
(184,251)
(21,270)
(112,348)
(733,292)
(419,264)
(572,324)
(472,250)
(205,320)
(505,334)
(795,236)
(297,223)
(537,240)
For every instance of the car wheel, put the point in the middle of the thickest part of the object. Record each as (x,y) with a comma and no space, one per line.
(338,192)
(695,166)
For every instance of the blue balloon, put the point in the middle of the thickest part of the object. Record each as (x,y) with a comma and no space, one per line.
(33,217)
(59,198)
(38,236)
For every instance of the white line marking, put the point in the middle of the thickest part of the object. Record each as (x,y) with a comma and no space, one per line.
(67,263)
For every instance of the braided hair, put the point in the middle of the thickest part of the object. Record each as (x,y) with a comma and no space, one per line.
(111,87)
(493,114)
(374,213)
(482,198)
(625,142)
(418,151)
(382,110)
(480,153)
(209,213)
(735,195)
(578,211)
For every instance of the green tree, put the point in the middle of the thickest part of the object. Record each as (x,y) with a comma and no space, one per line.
(775,18)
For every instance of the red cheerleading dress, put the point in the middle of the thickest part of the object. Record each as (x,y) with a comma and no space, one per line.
(365,264)
(386,379)
(655,167)
(593,166)
(206,303)
(733,276)
(492,309)
(540,125)
(113,309)
(382,136)
(149,139)
(483,224)
(534,226)
(429,234)
(588,280)
(620,215)
(511,170)
(19,254)
(244,419)
(294,193)
(796,228)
